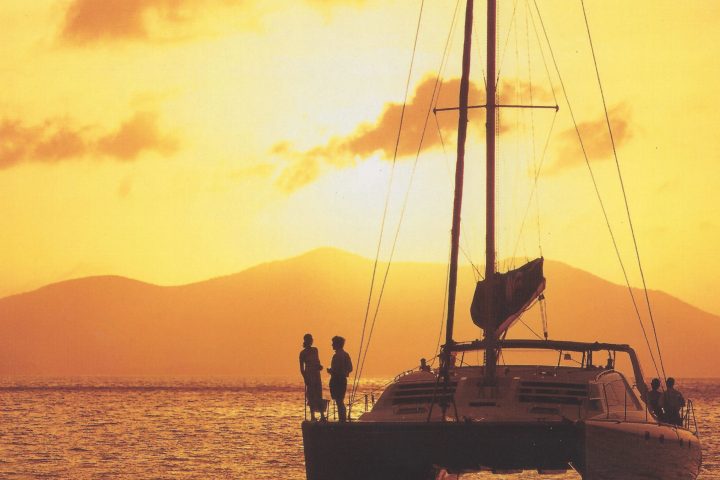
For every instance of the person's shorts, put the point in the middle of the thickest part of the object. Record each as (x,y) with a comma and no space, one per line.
(338,386)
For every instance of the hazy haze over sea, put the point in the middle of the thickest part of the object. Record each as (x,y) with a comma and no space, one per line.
(181,428)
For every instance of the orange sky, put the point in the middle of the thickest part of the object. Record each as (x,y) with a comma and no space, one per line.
(173,141)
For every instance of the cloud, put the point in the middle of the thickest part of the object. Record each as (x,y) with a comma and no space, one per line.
(56,140)
(298,174)
(91,21)
(51,141)
(135,136)
(595,138)
(102,21)
(380,136)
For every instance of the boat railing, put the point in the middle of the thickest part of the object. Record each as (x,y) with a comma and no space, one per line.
(689,420)
(607,405)
(367,397)
(365,400)
(617,405)
(402,374)
(625,400)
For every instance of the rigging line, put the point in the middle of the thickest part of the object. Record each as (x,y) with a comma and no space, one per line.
(387,198)
(542,52)
(464,250)
(535,181)
(530,328)
(443,62)
(478,47)
(597,191)
(622,185)
(543,315)
(534,152)
(519,113)
(540,302)
(436,98)
(507,40)
(446,51)
(532,125)
(442,317)
(399,225)
(361,362)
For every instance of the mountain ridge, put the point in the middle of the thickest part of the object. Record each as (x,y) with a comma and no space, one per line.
(251,322)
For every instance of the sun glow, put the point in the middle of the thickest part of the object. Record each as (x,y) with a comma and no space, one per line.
(173,146)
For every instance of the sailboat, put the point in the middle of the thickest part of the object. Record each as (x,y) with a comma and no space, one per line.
(505,418)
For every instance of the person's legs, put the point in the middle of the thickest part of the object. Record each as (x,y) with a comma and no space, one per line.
(340,401)
(323,409)
(338,386)
(342,388)
(314,395)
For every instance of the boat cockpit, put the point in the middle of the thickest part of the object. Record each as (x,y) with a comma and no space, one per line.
(570,388)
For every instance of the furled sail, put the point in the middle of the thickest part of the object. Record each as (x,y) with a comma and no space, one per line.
(513,292)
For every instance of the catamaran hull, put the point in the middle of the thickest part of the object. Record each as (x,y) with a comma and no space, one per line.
(598,449)
(414,451)
(635,451)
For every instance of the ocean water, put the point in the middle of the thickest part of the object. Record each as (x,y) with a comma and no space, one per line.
(199,428)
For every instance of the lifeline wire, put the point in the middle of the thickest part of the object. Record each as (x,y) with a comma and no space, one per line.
(387,202)
(597,191)
(402,213)
(622,185)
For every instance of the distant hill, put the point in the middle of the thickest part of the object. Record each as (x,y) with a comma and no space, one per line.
(252,323)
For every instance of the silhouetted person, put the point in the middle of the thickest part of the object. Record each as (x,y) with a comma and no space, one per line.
(310,370)
(654,399)
(340,368)
(673,402)
(610,364)
(424,366)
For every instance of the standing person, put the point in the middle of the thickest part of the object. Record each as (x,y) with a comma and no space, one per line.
(340,368)
(654,399)
(310,370)
(673,401)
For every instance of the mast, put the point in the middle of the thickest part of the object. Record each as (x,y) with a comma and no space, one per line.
(490,333)
(485,309)
(459,170)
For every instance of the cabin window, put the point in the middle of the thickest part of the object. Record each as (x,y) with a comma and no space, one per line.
(552,392)
(422,393)
(595,403)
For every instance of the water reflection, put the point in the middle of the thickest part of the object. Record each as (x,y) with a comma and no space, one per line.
(176,428)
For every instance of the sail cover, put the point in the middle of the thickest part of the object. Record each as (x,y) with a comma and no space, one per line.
(513,292)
